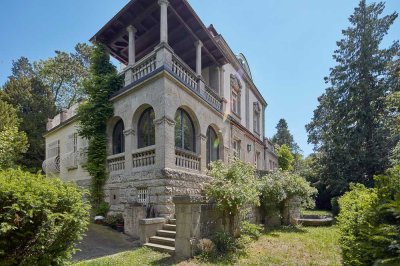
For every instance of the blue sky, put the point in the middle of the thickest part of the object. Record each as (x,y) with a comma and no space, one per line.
(289,44)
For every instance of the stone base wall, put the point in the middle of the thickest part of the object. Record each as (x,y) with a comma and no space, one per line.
(162,186)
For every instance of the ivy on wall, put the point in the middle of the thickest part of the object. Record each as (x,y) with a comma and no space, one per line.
(93,116)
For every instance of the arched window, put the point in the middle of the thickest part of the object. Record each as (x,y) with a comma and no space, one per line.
(184,131)
(146,130)
(118,139)
(212,146)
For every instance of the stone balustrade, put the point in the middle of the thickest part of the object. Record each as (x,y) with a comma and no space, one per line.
(141,69)
(188,160)
(144,157)
(116,163)
(184,72)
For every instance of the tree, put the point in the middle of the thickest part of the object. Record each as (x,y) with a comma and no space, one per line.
(233,186)
(13,143)
(284,137)
(34,106)
(64,74)
(348,128)
(93,116)
(285,157)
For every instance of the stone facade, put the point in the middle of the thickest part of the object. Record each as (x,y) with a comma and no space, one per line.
(194,113)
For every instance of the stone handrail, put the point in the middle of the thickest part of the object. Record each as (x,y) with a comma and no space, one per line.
(186,159)
(184,72)
(116,162)
(142,68)
(212,97)
(144,157)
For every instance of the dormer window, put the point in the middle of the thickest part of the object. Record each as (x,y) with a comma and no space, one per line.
(236,88)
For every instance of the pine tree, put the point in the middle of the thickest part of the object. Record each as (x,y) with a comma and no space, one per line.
(33,102)
(348,128)
(284,137)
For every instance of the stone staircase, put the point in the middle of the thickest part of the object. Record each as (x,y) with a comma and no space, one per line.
(164,240)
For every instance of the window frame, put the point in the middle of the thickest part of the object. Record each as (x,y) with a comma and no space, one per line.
(181,112)
(121,145)
(141,135)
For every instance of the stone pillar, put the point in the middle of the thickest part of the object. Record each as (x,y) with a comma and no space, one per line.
(163,20)
(203,153)
(131,50)
(165,142)
(132,214)
(129,135)
(198,44)
(291,211)
(188,212)
(163,55)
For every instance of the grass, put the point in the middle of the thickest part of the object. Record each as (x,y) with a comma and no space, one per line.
(315,212)
(284,246)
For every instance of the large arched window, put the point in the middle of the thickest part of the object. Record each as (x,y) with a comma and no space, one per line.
(184,131)
(118,139)
(212,145)
(146,130)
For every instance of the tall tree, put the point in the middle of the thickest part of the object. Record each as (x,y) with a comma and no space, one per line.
(64,74)
(284,137)
(13,143)
(34,106)
(348,128)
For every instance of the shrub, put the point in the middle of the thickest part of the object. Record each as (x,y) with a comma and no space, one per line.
(224,242)
(41,219)
(335,206)
(207,248)
(251,230)
(233,186)
(281,185)
(114,219)
(369,221)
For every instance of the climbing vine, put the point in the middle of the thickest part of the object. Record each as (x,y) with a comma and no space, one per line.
(93,116)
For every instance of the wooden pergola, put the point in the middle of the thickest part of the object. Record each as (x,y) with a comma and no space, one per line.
(184,29)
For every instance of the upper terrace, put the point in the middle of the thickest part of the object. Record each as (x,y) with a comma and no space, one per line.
(147,35)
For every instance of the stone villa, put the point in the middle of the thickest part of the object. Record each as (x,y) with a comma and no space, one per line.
(188,100)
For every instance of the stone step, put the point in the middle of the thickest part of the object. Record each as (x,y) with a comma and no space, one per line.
(166,233)
(172,221)
(160,248)
(170,227)
(167,241)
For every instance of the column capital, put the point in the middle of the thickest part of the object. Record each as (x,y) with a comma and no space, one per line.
(131,28)
(198,43)
(163,2)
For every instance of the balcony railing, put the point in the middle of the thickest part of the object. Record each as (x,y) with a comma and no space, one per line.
(211,97)
(184,72)
(144,158)
(116,163)
(142,68)
(187,160)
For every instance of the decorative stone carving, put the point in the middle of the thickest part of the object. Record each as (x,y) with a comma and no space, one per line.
(235,83)
(165,119)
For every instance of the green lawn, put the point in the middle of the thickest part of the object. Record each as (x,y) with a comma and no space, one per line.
(316,212)
(285,246)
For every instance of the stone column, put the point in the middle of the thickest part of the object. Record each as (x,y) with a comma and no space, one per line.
(163,20)
(129,134)
(165,142)
(203,153)
(131,50)
(198,44)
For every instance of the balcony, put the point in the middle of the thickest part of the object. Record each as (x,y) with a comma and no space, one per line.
(116,164)
(150,65)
